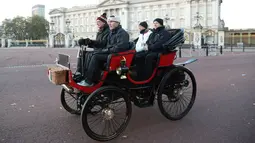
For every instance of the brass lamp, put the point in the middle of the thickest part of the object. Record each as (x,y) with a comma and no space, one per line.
(123,69)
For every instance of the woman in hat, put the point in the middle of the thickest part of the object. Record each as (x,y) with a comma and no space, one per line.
(143,37)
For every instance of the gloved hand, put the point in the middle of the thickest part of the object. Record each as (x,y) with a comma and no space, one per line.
(84,42)
(81,42)
(87,41)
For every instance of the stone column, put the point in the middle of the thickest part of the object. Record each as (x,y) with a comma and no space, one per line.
(3,42)
(125,22)
(249,38)
(9,41)
(67,41)
(197,39)
(73,43)
(221,39)
(26,42)
(51,41)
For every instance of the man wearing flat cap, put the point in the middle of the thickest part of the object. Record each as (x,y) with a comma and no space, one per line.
(117,41)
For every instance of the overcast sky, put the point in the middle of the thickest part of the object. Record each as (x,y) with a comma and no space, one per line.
(236,13)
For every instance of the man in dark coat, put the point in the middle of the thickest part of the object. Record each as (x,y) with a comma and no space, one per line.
(98,44)
(118,41)
(155,45)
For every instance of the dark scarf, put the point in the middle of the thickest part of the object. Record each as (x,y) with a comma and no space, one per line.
(144,31)
(159,29)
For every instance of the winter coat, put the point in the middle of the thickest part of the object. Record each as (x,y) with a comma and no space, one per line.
(118,40)
(101,38)
(157,39)
(141,42)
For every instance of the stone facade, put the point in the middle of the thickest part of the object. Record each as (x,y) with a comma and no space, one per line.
(235,36)
(177,14)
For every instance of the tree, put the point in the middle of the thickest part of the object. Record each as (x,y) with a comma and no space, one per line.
(26,28)
(37,27)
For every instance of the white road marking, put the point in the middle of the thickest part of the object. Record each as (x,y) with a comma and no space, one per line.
(32,66)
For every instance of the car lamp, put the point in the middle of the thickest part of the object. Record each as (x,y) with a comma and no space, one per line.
(123,69)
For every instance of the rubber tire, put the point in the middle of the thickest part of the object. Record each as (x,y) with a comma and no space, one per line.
(84,112)
(163,82)
(64,104)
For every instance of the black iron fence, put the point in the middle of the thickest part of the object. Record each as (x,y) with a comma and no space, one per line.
(211,50)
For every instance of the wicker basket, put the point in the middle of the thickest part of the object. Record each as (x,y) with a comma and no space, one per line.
(58,75)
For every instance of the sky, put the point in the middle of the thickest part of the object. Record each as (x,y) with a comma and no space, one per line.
(236,14)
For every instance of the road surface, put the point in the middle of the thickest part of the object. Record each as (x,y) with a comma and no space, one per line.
(224,110)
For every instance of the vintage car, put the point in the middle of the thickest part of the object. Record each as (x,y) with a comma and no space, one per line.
(172,85)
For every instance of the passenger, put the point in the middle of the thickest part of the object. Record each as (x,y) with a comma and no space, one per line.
(118,41)
(159,36)
(155,45)
(141,48)
(143,37)
(100,42)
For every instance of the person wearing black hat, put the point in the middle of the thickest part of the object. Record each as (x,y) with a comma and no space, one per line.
(155,45)
(143,37)
(159,37)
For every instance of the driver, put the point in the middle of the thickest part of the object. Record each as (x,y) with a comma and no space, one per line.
(102,34)
(101,39)
(118,41)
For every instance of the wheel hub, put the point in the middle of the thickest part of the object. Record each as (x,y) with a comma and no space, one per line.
(177,93)
(108,114)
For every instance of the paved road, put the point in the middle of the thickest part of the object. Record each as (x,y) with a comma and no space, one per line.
(224,111)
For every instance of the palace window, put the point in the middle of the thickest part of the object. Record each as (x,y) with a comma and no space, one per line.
(172,24)
(209,9)
(155,13)
(163,12)
(147,14)
(139,16)
(182,23)
(182,12)
(201,9)
(193,10)
(173,14)
(209,21)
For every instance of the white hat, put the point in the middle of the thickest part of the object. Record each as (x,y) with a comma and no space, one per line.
(114,18)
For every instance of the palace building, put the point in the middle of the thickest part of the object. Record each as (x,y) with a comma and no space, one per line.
(80,21)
